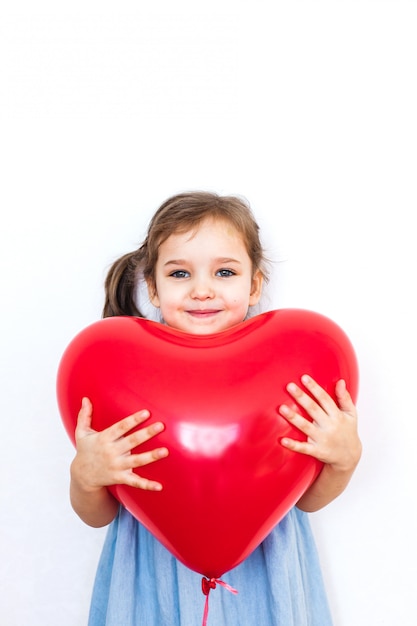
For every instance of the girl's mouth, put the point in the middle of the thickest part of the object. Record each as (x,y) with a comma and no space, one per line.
(202,313)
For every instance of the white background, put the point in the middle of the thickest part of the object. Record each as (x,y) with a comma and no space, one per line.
(306,108)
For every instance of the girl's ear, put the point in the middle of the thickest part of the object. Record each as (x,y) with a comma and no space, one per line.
(153,296)
(256,290)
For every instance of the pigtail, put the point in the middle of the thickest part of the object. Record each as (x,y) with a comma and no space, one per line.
(120,286)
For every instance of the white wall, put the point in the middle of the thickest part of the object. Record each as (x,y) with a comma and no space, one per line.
(306,108)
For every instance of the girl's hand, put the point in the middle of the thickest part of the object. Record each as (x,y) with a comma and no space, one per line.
(105,458)
(332,437)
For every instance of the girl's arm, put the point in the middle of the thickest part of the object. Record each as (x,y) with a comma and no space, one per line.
(104,458)
(332,437)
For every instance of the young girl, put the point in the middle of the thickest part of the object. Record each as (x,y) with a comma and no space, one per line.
(203,265)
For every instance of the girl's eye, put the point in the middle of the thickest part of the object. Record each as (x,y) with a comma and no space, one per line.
(225,273)
(180,274)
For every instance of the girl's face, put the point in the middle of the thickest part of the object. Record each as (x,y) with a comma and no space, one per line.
(204,279)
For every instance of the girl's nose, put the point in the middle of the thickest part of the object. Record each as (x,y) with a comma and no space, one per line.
(202,290)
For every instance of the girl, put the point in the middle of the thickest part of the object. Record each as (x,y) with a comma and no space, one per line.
(203,265)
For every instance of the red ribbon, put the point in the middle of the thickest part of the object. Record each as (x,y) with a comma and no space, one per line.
(211,583)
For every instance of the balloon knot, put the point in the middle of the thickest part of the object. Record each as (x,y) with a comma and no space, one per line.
(207,584)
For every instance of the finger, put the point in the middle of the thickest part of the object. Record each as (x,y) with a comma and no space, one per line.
(141,436)
(314,404)
(122,427)
(297,420)
(344,399)
(139,482)
(128,476)
(303,447)
(145,458)
(84,419)
(324,399)
(313,409)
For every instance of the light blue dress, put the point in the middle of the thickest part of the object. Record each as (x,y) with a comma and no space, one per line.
(139,583)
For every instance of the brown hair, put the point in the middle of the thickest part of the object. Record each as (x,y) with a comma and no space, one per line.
(178,214)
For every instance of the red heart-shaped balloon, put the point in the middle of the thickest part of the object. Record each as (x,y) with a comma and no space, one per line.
(227,480)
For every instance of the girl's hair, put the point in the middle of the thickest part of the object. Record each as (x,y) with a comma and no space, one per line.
(179,214)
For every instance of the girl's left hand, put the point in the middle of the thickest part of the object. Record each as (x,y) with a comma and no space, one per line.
(332,435)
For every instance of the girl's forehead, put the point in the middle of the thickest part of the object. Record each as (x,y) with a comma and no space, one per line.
(215,237)
(213,224)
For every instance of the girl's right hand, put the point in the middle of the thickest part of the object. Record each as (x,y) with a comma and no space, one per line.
(105,458)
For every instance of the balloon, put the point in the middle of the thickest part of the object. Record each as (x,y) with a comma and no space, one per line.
(227,480)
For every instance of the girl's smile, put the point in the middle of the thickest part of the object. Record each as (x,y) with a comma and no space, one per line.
(204,279)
